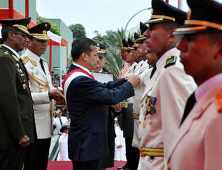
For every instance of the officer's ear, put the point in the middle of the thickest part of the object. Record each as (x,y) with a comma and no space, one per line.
(11,35)
(84,56)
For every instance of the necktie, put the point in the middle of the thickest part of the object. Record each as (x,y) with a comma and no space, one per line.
(188,107)
(60,120)
(153,71)
(42,66)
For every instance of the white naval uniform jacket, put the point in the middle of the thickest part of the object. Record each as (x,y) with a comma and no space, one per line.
(143,70)
(162,106)
(198,145)
(40,83)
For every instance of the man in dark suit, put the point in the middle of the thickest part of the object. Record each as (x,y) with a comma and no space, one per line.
(88,101)
(17,127)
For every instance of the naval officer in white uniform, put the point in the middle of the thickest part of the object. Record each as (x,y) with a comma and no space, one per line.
(42,92)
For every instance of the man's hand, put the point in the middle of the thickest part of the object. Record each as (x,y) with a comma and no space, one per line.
(57,95)
(24,141)
(134,80)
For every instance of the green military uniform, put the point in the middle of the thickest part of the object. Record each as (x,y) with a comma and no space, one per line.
(16,109)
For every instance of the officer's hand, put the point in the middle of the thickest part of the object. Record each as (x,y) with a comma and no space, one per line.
(56,94)
(24,141)
(53,93)
(134,80)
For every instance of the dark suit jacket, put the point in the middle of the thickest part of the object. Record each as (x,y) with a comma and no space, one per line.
(88,101)
(126,121)
(16,111)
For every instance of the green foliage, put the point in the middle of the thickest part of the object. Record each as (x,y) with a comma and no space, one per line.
(78,31)
(54,27)
(113,42)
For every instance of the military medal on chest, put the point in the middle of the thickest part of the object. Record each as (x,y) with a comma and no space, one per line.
(21,76)
(150,103)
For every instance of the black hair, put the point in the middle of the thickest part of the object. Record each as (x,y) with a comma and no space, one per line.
(83,45)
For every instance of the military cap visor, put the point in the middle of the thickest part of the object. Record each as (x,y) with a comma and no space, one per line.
(17,24)
(203,17)
(101,51)
(127,48)
(139,38)
(163,13)
(127,44)
(40,31)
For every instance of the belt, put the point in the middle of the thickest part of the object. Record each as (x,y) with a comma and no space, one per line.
(135,116)
(152,152)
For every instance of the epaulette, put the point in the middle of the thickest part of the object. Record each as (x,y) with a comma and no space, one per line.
(6,53)
(219,101)
(25,59)
(170,61)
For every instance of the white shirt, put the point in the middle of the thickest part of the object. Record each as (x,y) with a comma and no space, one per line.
(162,106)
(58,122)
(63,148)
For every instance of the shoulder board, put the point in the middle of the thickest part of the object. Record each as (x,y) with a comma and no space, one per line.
(5,53)
(219,101)
(170,61)
(25,59)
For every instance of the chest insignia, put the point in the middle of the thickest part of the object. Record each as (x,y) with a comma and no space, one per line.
(170,61)
(150,105)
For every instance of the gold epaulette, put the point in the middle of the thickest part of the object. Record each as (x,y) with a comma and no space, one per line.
(26,59)
(39,81)
(153,152)
(219,101)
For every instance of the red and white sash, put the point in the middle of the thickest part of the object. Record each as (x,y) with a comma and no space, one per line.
(72,75)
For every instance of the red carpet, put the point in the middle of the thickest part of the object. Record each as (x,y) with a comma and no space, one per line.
(67,165)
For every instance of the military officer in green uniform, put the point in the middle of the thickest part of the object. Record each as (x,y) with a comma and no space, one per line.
(17,126)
